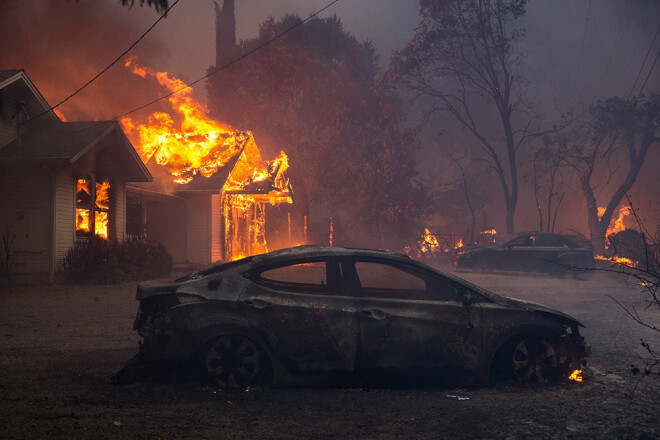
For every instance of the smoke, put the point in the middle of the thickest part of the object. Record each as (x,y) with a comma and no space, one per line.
(61,45)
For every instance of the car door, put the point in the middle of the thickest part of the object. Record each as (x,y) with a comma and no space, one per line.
(311,325)
(520,254)
(410,319)
(548,248)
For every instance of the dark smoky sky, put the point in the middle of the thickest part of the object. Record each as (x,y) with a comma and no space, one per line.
(576,50)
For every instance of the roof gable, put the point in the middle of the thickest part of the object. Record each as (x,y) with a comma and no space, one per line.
(68,142)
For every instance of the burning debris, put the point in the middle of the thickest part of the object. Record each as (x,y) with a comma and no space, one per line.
(198,147)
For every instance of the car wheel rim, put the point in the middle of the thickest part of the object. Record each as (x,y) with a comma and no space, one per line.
(534,361)
(233,361)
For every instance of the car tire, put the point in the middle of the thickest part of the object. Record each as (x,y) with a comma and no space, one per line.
(234,361)
(485,264)
(534,360)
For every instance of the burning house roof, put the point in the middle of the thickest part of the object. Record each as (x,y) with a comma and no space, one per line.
(189,152)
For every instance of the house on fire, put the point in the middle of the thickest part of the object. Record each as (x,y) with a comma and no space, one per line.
(59,181)
(217,218)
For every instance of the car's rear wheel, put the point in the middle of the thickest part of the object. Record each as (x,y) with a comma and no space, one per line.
(233,361)
(485,264)
(534,360)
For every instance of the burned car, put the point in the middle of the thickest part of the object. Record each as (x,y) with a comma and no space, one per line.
(528,251)
(310,311)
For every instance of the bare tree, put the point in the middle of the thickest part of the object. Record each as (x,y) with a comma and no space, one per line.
(548,182)
(616,132)
(464,57)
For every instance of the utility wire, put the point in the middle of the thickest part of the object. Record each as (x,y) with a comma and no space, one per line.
(278,36)
(649,74)
(221,68)
(163,15)
(644,62)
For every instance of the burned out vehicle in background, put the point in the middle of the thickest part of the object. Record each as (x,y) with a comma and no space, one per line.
(529,251)
(310,311)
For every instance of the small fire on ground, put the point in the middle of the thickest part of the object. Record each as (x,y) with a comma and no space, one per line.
(576,376)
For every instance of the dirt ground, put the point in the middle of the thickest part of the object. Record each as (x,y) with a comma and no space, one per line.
(61,344)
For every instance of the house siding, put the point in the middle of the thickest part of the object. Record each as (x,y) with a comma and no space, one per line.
(166,224)
(117,210)
(198,210)
(65,205)
(7,133)
(216,228)
(25,197)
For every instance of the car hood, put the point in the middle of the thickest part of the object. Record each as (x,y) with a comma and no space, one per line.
(534,307)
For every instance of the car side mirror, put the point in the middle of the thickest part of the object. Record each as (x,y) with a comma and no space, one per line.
(468,297)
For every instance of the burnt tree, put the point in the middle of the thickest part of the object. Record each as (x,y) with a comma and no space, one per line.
(615,132)
(464,59)
(315,93)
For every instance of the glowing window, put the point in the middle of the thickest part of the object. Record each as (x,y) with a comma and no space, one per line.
(85,200)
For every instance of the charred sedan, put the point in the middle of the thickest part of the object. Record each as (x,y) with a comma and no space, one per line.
(531,251)
(309,311)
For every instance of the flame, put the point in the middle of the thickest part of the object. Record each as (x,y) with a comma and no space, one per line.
(576,376)
(429,242)
(459,244)
(101,224)
(618,260)
(200,145)
(618,225)
(82,220)
(102,197)
(489,232)
(60,115)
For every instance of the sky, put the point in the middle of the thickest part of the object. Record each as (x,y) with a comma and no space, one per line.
(577,51)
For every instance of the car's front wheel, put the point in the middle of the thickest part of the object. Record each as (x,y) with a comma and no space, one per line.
(233,361)
(534,360)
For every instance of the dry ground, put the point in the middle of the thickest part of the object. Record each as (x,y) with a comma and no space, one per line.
(60,345)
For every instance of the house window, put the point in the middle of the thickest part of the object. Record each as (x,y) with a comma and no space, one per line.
(86,200)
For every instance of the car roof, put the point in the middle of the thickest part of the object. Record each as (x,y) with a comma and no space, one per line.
(311,251)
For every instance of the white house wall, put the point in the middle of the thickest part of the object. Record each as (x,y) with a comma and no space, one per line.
(26,200)
(65,206)
(199,228)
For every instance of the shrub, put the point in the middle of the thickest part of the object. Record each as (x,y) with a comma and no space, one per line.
(101,262)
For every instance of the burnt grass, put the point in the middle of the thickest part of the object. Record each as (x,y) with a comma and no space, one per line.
(61,344)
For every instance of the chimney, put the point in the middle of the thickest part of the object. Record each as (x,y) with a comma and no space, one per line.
(225,33)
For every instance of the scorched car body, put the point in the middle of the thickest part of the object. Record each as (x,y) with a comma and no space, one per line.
(309,311)
(528,251)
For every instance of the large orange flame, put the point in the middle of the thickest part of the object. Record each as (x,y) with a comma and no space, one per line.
(618,225)
(200,145)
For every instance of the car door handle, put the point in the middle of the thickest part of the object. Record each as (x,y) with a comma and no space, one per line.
(374,314)
(256,303)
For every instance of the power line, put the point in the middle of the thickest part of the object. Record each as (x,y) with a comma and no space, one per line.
(245,55)
(644,62)
(163,15)
(649,74)
(278,36)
